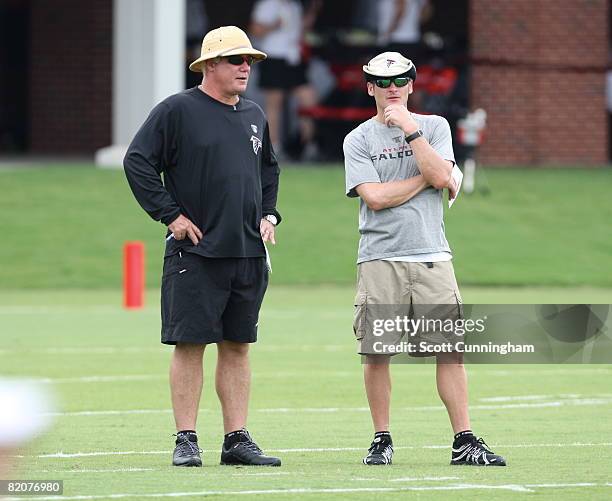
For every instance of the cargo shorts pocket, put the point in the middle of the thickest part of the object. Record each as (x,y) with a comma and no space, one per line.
(459,304)
(359,319)
(174,264)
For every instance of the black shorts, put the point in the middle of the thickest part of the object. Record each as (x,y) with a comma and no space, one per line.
(209,300)
(278,74)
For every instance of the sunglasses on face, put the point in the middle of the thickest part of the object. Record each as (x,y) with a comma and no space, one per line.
(239,59)
(384,83)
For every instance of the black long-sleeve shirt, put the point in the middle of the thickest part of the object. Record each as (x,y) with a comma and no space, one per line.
(219,171)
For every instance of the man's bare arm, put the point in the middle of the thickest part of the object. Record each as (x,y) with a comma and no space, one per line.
(435,170)
(433,167)
(261,30)
(378,196)
(399,8)
(426,12)
(310,16)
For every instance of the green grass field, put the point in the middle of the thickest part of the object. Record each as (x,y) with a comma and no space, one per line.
(113,434)
(65,227)
(541,236)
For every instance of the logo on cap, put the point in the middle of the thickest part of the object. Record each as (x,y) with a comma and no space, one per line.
(390,62)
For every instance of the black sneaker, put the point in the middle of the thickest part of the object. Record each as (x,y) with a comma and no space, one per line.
(246,453)
(187,452)
(476,452)
(380,452)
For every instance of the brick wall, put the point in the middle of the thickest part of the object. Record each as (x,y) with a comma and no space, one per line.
(539,71)
(71,75)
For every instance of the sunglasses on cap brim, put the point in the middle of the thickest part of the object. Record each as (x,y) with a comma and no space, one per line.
(238,59)
(384,83)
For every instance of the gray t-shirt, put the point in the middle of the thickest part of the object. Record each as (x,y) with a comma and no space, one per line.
(375,153)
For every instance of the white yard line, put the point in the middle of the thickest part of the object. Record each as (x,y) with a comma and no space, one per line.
(58,310)
(132,470)
(288,374)
(552,371)
(558,403)
(293,374)
(64,309)
(96,350)
(263,474)
(100,379)
(520,405)
(151,377)
(529,446)
(113,350)
(563,396)
(98,453)
(520,397)
(581,484)
(61,454)
(331,410)
(322,410)
(113,470)
(339,490)
(114,413)
(410,479)
(404,479)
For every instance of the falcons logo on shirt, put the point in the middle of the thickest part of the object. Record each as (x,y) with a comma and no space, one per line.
(256,142)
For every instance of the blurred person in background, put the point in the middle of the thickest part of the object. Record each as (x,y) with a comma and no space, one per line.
(218,199)
(398,163)
(280,26)
(25,412)
(196,24)
(609,101)
(399,26)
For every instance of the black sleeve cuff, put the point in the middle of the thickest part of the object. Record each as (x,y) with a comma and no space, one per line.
(273,212)
(171,217)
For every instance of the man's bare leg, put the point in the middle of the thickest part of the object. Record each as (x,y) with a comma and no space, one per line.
(452,388)
(186,384)
(274,112)
(233,383)
(307,98)
(377,379)
(451,380)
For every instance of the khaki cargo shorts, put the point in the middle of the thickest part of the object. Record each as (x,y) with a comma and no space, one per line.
(391,298)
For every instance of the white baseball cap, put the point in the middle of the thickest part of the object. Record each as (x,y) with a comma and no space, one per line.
(390,64)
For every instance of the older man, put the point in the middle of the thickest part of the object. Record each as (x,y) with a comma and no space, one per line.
(399,163)
(218,200)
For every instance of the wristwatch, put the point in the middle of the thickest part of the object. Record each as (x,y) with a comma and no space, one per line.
(271,218)
(413,136)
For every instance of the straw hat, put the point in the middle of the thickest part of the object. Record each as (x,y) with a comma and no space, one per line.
(225,41)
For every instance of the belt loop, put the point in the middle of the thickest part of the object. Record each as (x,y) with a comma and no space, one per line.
(430,265)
